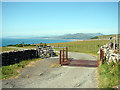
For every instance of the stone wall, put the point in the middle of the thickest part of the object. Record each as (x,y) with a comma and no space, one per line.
(110,54)
(12,57)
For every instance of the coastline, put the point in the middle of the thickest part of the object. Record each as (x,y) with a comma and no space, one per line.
(39,40)
(10,41)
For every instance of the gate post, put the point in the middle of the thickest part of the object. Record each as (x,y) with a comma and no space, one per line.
(63,55)
(101,55)
(66,53)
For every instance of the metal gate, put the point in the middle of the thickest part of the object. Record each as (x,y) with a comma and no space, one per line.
(64,60)
(63,56)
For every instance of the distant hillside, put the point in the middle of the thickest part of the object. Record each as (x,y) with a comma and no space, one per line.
(104,36)
(83,36)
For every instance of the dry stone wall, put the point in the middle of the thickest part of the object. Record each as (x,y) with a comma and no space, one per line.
(110,54)
(13,57)
(112,50)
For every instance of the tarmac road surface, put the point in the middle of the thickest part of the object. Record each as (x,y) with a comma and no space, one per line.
(41,75)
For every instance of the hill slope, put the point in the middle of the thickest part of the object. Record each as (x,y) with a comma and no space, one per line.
(105,36)
(78,36)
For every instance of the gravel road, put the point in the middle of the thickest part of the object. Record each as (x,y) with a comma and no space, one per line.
(41,75)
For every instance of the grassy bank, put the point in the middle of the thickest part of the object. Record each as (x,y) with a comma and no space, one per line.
(13,70)
(108,75)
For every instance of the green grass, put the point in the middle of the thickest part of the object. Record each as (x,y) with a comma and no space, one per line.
(9,48)
(108,75)
(90,47)
(106,36)
(12,70)
(29,47)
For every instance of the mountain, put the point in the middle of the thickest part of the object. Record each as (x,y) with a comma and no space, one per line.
(82,36)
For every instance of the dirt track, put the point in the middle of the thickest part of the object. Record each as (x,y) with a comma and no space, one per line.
(41,75)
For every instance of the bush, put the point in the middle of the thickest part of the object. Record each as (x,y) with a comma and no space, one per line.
(41,44)
(27,44)
(45,44)
(33,45)
(11,45)
(95,37)
(19,45)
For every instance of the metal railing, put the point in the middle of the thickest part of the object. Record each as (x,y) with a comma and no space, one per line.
(63,56)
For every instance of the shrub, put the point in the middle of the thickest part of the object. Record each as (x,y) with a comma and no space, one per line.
(95,37)
(41,44)
(33,45)
(27,45)
(19,45)
(11,45)
(45,44)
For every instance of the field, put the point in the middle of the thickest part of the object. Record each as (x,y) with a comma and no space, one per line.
(9,48)
(88,46)
(107,36)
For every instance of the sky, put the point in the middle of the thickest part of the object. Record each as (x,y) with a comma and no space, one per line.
(33,19)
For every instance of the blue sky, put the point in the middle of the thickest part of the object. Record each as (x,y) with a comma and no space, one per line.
(31,19)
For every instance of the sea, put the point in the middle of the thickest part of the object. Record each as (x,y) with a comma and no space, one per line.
(13,41)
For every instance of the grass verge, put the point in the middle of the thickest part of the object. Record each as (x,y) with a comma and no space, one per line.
(12,71)
(108,75)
